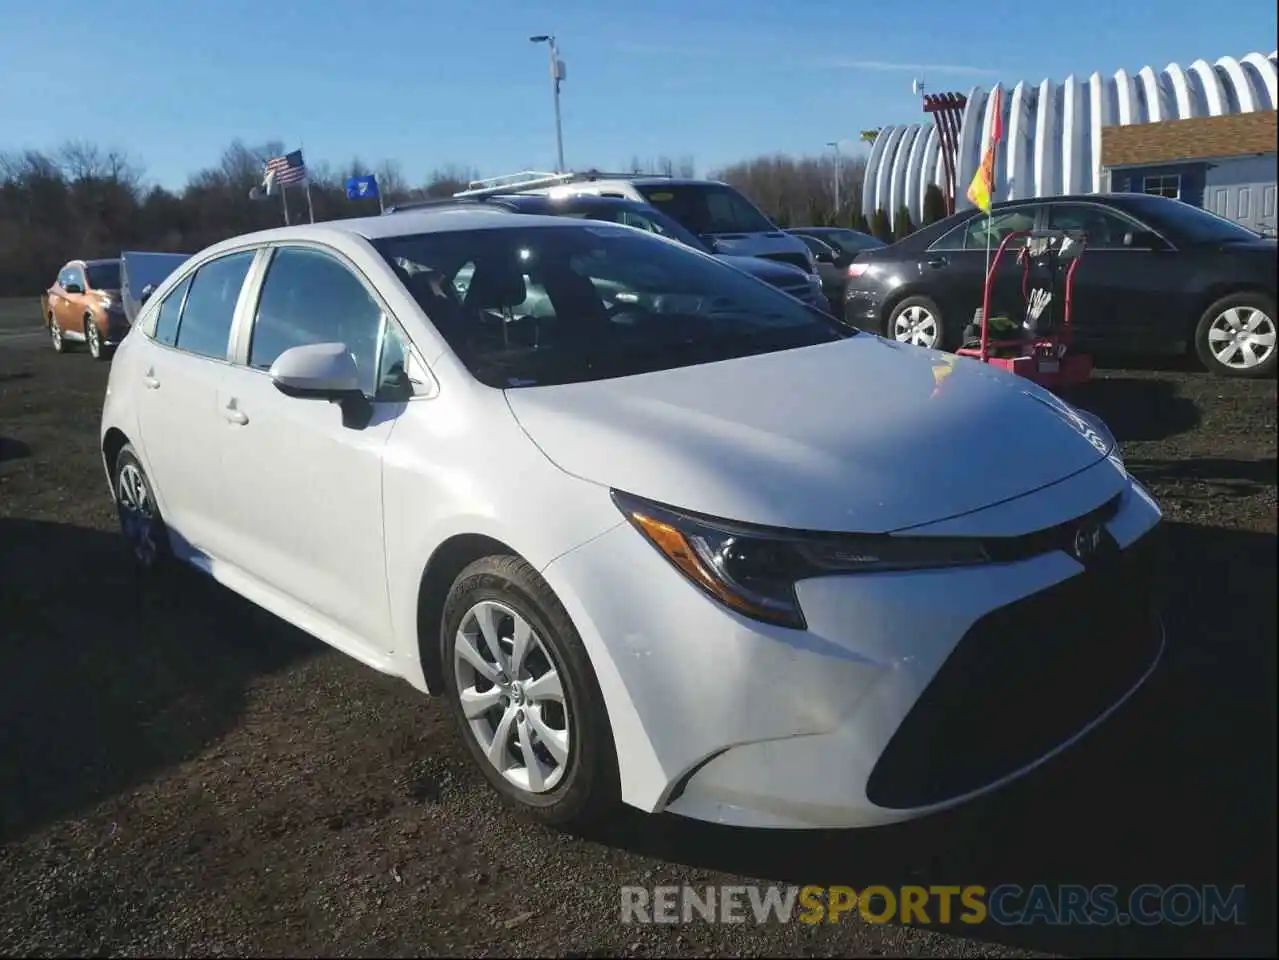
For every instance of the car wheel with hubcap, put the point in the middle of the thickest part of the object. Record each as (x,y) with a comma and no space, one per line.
(918,321)
(140,521)
(1236,336)
(525,695)
(93,337)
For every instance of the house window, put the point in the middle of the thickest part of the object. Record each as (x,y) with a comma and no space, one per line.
(1168,185)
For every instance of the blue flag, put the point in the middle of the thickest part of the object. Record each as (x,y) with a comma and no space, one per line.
(360,188)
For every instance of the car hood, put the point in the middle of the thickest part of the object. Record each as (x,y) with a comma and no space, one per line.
(861,435)
(768,270)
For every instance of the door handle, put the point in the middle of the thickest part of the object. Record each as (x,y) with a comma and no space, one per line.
(937,261)
(150,380)
(234,415)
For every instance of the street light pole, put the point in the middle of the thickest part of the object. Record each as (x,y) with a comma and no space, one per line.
(557,77)
(835,144)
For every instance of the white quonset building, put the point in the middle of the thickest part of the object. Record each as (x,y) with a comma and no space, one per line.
(1053,135)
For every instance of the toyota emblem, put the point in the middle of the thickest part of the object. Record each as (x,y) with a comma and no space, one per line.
(1087,542)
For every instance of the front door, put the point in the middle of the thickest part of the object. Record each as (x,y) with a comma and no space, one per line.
(180,369)
(305,487)
(1122,295)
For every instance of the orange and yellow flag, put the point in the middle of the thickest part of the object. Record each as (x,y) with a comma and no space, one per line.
(983,185)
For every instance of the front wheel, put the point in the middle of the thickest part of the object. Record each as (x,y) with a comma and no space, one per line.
(93,337)
(1235,336)
(524,693)
(55,335)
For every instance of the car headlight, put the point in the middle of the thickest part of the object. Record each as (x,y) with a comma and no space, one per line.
(754,570)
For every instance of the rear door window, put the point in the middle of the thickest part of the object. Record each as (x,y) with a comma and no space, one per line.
(166,321)
(205,326)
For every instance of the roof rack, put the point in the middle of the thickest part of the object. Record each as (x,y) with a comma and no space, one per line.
(534,179)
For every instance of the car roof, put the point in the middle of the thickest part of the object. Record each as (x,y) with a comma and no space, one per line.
(102,262)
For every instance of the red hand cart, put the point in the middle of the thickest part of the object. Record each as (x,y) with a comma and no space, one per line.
(1041,355)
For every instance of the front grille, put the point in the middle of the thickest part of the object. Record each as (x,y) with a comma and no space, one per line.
(794,259)
(1024,679)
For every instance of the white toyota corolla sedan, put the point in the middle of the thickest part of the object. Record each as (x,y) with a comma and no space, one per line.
(657,531)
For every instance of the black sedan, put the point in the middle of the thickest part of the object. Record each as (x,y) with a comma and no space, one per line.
(835,248)
(1156,276)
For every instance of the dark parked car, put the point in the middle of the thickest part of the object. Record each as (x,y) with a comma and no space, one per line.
(835,248)
(1157,276)
(791,279)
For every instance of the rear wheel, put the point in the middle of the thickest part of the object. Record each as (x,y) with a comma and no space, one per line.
(140,522)
(524,693)
(1236,336)
(918,321)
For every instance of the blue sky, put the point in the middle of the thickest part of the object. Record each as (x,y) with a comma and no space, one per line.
(427,84)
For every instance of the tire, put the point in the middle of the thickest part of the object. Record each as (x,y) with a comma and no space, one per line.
(918,320)
(1236,336)
(145,533)
(55,335)
(577,786)
(93,337)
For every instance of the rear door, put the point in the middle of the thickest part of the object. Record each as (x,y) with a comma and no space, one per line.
(953,268)
(1125,298)
(182,431)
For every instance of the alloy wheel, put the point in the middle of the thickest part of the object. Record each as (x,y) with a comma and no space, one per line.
(918,326)
(136,507)
(1242,337)
(55,332)
(512,697)
(94,337)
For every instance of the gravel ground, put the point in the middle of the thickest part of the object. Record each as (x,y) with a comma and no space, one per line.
(183,774)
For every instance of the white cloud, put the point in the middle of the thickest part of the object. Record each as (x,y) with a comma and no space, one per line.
(894,66)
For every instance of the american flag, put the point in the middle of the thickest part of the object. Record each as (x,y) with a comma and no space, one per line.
(286,170)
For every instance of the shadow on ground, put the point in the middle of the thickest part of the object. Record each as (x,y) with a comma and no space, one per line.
(105,680)
(1177,787)
(11,449)
(1215,476)
(1138,408)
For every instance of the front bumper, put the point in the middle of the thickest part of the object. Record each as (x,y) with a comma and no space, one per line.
(909,692)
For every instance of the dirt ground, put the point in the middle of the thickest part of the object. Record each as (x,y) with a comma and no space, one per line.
(183,774)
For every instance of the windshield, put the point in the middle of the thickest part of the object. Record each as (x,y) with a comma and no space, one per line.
(1189,223)
(707,208)
(534,306)
(104,276)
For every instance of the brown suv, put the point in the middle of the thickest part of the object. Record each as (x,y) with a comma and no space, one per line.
(84,306)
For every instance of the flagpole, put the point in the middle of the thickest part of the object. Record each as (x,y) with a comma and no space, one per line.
(284,198)
(310,207)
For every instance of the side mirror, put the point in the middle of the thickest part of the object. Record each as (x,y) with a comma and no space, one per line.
(73,288)
(825,256)
(316,371)
(1143,240)
(323,371)
(146,293)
